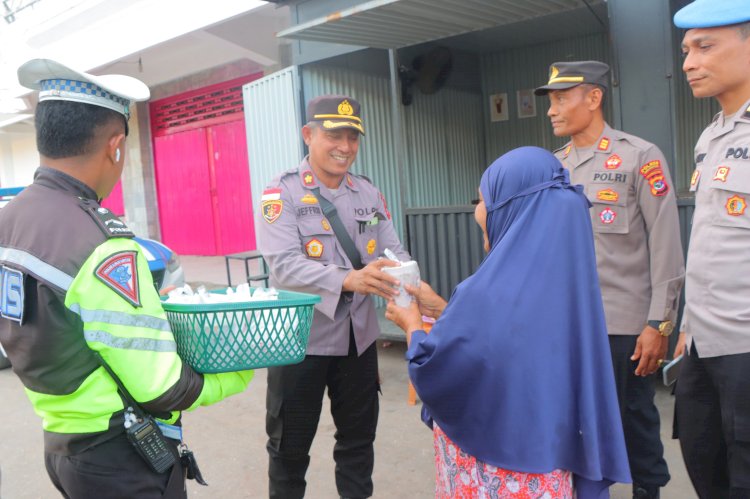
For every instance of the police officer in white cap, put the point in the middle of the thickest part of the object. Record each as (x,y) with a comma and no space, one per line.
(638,250)
(712,411)
(79,310)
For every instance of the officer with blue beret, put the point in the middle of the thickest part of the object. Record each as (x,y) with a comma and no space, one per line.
(712,412)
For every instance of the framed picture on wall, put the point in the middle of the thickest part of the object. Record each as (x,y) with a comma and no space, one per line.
(526,103)
(499,107)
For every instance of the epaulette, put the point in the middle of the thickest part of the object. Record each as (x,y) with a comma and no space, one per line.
(359,175)
(105,219)
(565,150)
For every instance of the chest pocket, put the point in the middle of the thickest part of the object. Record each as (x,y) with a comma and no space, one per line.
(367,237)
(317,237)
(729,193)
(609,213)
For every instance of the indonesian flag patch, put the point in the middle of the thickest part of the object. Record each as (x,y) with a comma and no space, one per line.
(120,273)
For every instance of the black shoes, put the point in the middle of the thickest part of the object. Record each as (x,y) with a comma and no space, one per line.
(645,491)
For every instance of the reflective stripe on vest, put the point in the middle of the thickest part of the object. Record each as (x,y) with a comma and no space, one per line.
(35,266)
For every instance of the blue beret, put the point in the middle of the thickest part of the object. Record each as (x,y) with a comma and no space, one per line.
(712,14)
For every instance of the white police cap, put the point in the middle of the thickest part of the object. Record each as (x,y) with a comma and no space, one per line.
(56,81)
(712,14)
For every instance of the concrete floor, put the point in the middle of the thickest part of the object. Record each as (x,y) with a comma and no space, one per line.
(229,438)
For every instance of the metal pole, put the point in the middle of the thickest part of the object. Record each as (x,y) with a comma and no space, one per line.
(399,140)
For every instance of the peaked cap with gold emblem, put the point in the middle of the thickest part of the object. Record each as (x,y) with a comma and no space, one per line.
(564,75)
(335,111)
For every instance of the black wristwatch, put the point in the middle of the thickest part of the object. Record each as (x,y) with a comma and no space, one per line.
(664,327)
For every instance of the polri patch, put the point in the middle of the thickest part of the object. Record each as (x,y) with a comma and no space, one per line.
(314,248)
(736,205)
(607,216)
(11,294)
(613,162)
(603,144)
(119,272)
(721,173)
(272,210)
(651,168)
(658,185)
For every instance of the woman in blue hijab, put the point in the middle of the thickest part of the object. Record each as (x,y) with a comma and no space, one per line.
(516,373)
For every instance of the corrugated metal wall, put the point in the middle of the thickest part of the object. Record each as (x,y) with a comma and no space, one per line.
(272,122)
(444,136)
(526,68)
(447,243)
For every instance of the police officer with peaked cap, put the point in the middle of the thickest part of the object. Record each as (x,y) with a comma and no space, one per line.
(309,251)
(638,252)
(712,410)
(75,283)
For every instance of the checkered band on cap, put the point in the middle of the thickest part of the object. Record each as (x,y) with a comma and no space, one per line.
(85,92)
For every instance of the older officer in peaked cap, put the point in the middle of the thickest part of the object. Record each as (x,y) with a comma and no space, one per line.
(638,252)
(712,411)
(75,284)
(322,232)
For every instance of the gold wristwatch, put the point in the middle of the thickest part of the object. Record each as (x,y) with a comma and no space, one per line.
(665,328)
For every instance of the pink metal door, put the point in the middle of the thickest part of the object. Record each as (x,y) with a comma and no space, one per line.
(114,201)
(233,207)
(183,186)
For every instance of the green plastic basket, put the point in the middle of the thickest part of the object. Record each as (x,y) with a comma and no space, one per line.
(224,337)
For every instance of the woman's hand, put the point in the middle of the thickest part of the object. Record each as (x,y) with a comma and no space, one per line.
(407,318)
(430,303)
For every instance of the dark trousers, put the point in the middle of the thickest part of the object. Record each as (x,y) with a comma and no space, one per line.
(640,417)
(712,421)
(294,400)
(113,470)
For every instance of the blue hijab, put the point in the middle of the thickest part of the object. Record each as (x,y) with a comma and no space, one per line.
(517,370)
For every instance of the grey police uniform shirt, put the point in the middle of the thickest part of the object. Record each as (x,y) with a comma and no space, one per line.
(636,228)
(303,253)
(717,289)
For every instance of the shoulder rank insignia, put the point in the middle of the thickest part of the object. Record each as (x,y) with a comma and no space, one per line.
(721,173)
(314,248)
(119,272)
(736,205)
(603,144)
(613,162)
(307,178)
(105,219)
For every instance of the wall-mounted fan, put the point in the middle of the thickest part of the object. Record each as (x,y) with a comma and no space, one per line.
(429,72)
